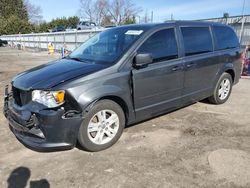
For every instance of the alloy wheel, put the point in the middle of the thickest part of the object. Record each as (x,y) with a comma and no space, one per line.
(103,127)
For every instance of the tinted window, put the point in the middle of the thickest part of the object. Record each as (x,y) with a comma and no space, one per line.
(197,40)
(161,45)
(226,38)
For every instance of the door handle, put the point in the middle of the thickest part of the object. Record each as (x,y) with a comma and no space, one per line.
(190,65)
(176,68)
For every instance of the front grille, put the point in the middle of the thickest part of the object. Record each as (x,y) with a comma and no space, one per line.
(21,97)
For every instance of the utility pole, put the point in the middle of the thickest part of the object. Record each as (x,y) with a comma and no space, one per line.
(172,17)
(152,16)
(243,20)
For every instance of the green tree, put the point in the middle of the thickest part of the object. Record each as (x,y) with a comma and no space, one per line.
(43,27)
(3,25)
(70,21)
(130,20)
(225,15)
(14,17)
(73,20)
(14,25)
(106,21)
(13,7)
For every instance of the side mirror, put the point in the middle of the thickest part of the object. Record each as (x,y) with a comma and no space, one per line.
(143,59)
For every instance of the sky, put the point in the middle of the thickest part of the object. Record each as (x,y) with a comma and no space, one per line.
(162,9)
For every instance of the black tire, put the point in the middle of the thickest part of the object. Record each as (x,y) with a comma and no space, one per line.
(83,135)
(215,98)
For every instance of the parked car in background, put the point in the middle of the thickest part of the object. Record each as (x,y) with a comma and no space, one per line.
(121,76)
(109,26)
(86,25)
(58,29)
(71,28)
(3,42)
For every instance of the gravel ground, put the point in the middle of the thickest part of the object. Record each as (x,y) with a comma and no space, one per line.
(201,145)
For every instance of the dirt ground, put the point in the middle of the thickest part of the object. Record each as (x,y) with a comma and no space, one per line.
(201,145)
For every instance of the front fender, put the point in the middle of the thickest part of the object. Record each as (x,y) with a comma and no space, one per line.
(112,86)
(96,93)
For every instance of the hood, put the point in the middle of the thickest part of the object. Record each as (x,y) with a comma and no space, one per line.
(49,75)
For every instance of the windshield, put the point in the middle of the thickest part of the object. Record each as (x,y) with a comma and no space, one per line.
(108,46)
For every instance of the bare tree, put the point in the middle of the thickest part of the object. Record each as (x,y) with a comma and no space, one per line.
(101,7)
(118,11)
(34,12)
(146,18)
(86,9)
(93,10)
(122,10)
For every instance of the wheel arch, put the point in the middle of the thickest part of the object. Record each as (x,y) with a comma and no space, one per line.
(232,73)
(119,101)
(226,68)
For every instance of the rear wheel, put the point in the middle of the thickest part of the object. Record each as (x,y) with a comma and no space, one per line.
(102,126)
(222,90)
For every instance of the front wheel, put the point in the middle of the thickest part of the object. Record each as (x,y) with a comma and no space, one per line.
(222,90)
(102,126)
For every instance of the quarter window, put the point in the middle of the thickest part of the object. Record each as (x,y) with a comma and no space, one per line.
(226,38)
(161,45)
(197,40)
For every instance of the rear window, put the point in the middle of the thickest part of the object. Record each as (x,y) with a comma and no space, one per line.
(197,40)
(225,38)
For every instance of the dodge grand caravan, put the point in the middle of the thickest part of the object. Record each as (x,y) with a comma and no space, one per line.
(118,77)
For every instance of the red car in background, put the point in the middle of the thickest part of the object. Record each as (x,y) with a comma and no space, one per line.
(246,62)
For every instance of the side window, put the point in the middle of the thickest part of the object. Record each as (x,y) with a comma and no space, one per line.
(161,45)
(197,40)
(225,37)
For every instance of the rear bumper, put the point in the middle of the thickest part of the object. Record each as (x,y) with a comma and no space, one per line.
(42,130)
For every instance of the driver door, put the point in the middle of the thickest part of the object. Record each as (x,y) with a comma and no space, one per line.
(159,85)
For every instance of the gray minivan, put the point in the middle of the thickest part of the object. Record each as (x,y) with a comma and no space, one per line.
(121,76)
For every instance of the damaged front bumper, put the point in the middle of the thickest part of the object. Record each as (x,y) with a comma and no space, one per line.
(42,129)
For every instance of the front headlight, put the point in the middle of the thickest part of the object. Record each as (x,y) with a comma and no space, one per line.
(50,99)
